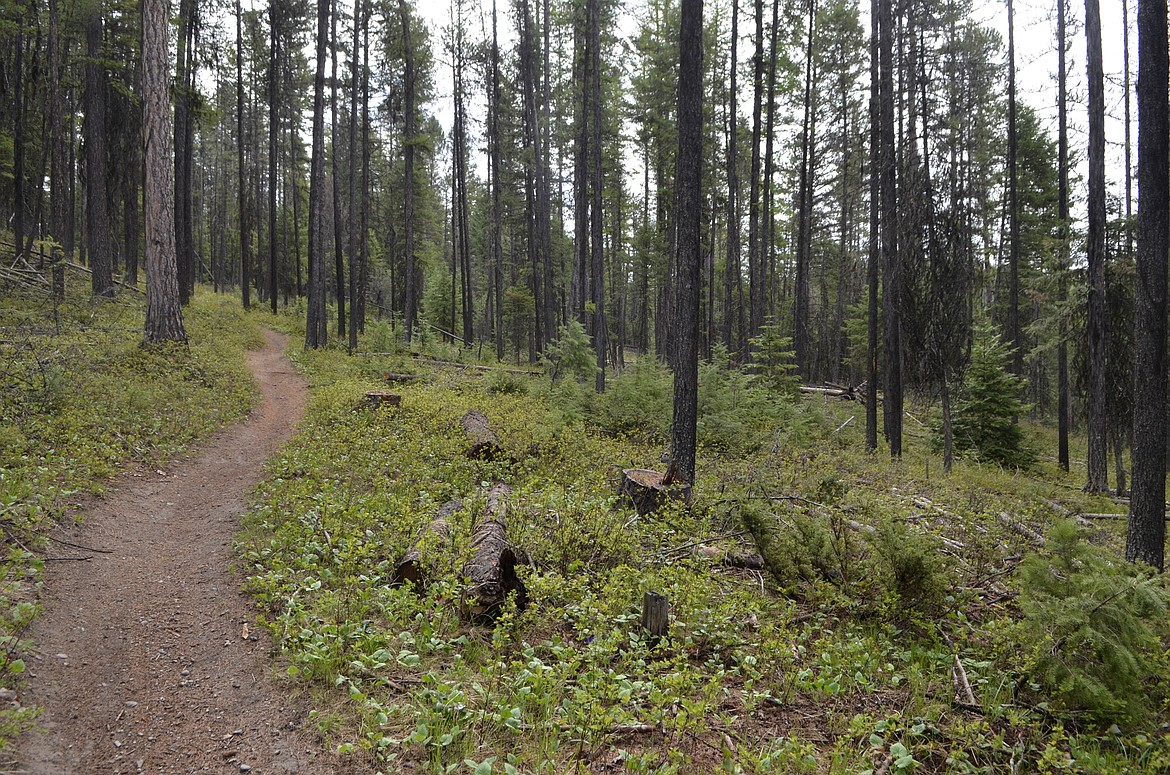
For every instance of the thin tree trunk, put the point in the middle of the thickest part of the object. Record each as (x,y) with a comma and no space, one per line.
(317,324)
(1097,480)
(338,218)
(353,109)
(597,257)
(59,216)
(1063,400)
(755,269)
(804,226)
(731,269)
(273,132)
(891,269)
(874,251)
(408,182)
(1013,334)
(245,227)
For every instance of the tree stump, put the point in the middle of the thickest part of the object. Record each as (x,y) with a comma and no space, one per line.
(647,492)
(485,444)
(411,567)
(655,615)
(491,571)
(379,398)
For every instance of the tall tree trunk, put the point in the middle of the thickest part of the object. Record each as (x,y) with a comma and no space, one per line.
(1095,248)
(804,225)
(164,313)
(338,217)
(689,198)
(579,285)
(891,269)
(18,137)
(1147,528)
(408,108)
(767,218)
(358,300)
(597,255)
(874,241)
(184,79)
(497,253)
(1129,225)
(1014,335)
(59,204)
(731,269)
(245,226)
(96,132)
(755,268)
(353,200)
(273,133)
(1063,410)
(317,324)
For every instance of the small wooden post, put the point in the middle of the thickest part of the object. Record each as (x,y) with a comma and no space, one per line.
(655,615)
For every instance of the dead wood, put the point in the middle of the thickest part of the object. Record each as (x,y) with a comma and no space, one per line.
(649,490)
(485,444)
(474,366)
(655,615)
(379,398)
(491,571)
(412,568)
(390,377)
(745,560)
(1023,529)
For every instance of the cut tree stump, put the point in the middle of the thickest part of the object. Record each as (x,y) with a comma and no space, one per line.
(485,444)
(655,615)
(645,488)
(491,571)
(411,568)
(379,398)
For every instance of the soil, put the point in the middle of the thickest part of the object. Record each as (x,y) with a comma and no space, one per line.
(148,658)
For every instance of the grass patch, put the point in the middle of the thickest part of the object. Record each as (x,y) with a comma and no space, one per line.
(840,660)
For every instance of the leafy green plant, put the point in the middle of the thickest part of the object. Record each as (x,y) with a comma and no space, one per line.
(638,401)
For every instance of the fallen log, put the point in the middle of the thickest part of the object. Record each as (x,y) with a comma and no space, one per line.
(1111,516)
(474,366)
(491,571)
(745,560)
(844,392)
(485,444)
(411,568)
(379,398)
(648,491)
(389,377)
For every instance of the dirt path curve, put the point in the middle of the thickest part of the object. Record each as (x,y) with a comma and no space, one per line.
(148,659)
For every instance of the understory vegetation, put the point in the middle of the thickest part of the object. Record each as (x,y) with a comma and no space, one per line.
(81,400)
(895,620)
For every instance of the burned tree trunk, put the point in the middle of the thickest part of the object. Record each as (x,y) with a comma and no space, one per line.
(412,568)
(485,444)
(491,571)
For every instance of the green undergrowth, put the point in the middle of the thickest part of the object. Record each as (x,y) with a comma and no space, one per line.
(80,400)
(880,577)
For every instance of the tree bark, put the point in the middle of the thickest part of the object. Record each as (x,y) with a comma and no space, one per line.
(317,324)
(874,241)
(59,205)
(891,262)
(731,269)
(273,132)
(491,571)
(596,252)
(244,226)
(164,314)
(1097,480)
(335,136)
(1146,536)
(96,135)
(755,270)
(410,304)
(1014,335)
(184,151)
(688,192)
(1063,410)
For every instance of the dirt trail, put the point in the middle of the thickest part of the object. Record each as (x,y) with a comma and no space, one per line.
(148,658)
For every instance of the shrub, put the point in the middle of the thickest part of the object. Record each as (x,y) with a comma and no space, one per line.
(987,407)
(1089,624)
(775,360)
(571,354)
(638,401)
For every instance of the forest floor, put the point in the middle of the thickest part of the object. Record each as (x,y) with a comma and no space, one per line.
(147,655)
